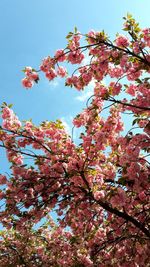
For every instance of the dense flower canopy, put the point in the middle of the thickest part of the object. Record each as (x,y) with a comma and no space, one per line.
(100,187)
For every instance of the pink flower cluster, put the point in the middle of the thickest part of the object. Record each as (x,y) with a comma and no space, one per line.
(122,41)
(31,77)
(10,120)
(146,36)
(99,187)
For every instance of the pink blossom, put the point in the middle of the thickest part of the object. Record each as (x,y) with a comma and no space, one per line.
(146,35)
(18,160)
(131,89)
(91,36)
(51,74)
(28,70)
(34,76)
(3,179)
(122,41)
(99,194)
(115,72)
(75,57)
(61,71)
(7,113)
(2,195)
(6,124)
(142,196)
(27,83)
(47,64)
(87,77)
(136,47)
(59,55)
(115,88)
(142,123)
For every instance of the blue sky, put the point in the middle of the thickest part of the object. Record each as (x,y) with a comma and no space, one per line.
(33,29)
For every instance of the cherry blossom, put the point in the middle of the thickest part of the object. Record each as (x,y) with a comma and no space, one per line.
(98,187)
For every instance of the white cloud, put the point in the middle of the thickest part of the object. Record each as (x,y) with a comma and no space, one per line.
(84,96)
(70,129)
(86,93)
(54,83)
(67,122)
(86,59)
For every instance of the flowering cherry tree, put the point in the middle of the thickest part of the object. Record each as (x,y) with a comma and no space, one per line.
(99,188)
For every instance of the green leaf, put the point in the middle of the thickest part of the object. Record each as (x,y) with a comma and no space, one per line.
(138,81)
(125,29)
(4,104)
(69,35)
(129,16)
(134,121)
(10,105)
(75,29)
(122,181)
(73,239)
